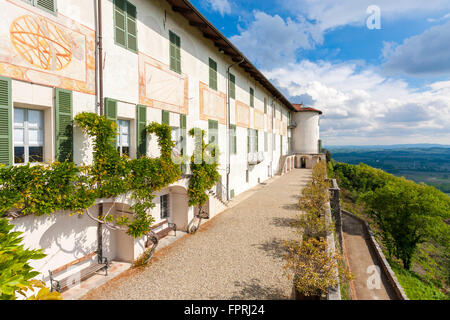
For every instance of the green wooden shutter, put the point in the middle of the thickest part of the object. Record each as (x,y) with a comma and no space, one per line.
(120,18)
(6,154)
(232,86)
(257,140)
(111,113)
(252,97)
(64,125)
(48,5)
(212,74)
(213,131)
(131,27)
(265,105)
(175,53)
(166,117)
(183,127)
(141,131)
(233,139)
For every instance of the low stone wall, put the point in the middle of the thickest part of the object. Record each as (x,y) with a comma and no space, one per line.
(384,263)
(336,209)
(334,293)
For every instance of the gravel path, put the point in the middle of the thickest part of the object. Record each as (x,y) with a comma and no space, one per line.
(237,255)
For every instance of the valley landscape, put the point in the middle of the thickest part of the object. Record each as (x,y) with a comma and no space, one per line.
(417,162)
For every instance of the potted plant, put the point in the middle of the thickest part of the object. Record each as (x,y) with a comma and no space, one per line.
(313,268)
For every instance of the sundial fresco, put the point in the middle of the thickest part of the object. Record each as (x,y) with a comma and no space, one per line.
(41,42)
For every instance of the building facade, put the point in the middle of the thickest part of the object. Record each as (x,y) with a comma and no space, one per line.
(162,61)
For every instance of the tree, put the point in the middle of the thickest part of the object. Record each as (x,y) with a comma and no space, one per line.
(15,272)
(408,214)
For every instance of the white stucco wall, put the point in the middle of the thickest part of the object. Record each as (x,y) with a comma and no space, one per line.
(306,134)
(65,239)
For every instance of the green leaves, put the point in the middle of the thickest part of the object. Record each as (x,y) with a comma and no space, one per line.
(204,169)
(405,213)
(15,272)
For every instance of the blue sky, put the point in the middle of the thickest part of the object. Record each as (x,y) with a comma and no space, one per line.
(380,86)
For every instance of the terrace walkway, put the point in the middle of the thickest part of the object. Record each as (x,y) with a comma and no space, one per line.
(361,257)
(236,255)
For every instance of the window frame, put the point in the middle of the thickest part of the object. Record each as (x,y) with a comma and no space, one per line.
(119,139)
(232,80)
(34,3)
(177,46)
(126,27)
(26,144)
(233,139)
(213,74)
(167,207)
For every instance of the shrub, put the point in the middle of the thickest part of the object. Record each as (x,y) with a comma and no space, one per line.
(314,268)
(15,272)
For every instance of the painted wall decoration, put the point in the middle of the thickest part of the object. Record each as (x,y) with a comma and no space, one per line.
(283,128)
(259,120)
(212,104)
(162,88)
(277,128)
(46,49)
(242,114)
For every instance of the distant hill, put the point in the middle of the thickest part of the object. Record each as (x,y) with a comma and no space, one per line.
(428,163)
(388,147)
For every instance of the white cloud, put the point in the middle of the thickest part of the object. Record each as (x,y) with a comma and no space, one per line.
(271,41)
(424,54)
(330,14)
(363,107)
(445,17)
(221,6)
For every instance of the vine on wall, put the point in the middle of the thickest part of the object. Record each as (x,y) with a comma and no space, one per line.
(45,189)
(204,169)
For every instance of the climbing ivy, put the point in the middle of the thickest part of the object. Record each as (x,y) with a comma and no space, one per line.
(204,169)
(45,189)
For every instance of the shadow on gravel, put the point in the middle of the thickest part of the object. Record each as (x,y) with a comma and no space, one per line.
(291,206)
(254,290)
(283,222)
(273,248)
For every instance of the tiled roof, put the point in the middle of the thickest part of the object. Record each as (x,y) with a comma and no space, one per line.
(301,108)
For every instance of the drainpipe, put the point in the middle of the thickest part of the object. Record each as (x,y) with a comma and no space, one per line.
(102,111)
(228,126)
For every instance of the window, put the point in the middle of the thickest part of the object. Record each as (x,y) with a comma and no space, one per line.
(233,139)
(175,53)
(28,136)
(265,105)
(252,140)
(164,200)
(213,131)
(125,26)
(252,97)
(212,74)
(175,134)
(47,5)
(123,143)
(232,86)
(166,117)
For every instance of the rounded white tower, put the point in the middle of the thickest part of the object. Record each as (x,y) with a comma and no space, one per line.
(306,135)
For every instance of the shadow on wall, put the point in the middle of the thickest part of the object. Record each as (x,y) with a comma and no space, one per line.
(69,234)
